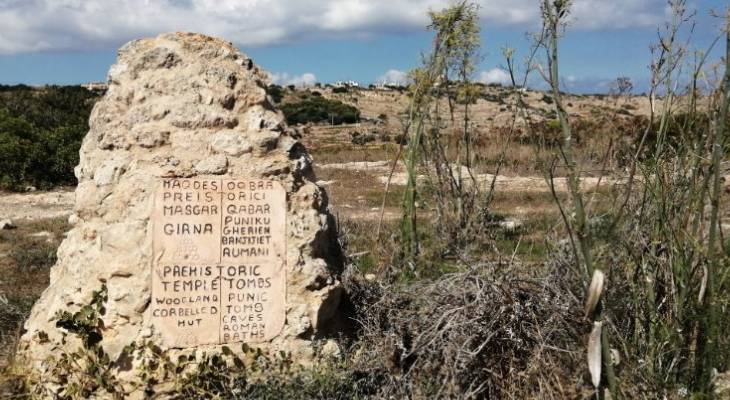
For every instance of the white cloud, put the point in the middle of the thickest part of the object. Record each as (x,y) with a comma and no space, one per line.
(495,75)
(36,25)
(394,77)
(307,79)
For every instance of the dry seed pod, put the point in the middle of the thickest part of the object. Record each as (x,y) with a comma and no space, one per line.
(594,292)
(594,354)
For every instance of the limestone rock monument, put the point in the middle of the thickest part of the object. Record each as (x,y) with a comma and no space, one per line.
(197,210)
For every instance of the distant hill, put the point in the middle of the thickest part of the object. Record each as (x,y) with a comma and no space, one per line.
(41,128)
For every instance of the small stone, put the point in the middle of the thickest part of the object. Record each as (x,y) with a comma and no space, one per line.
(73,219)
(722,385)
(215,165)
(42,234)
(511,224)
(330,349)
(7,224)
(152,139)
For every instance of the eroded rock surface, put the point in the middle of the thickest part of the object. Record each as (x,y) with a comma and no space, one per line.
(181,105)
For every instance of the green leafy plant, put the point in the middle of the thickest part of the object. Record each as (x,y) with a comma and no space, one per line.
(89,369)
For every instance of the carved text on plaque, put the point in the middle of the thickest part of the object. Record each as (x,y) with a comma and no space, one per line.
(218,271)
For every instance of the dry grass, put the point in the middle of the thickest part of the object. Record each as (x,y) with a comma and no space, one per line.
(602,127)
(24,271)
(479,333)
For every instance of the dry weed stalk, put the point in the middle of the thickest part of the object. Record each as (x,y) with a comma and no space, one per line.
(554,15)
(441,134)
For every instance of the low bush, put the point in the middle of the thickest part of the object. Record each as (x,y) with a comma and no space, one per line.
(319,109)
(361,138)
(470,334)
(276,92)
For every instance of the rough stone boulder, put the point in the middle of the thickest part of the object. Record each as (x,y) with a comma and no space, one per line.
(182,106)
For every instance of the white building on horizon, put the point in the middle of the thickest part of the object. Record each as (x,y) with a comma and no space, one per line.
(349,83)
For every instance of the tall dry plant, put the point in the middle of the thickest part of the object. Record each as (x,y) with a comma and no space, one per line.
(716,271)
(659,254)
(439,129)
(554,16)
(422,98)
(675,266)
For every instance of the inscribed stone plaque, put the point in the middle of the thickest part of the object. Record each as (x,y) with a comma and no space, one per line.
(219,261)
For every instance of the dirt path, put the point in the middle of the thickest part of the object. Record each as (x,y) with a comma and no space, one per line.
(381,169)
(370,166)
(59,203)
(36,205)
(517,183)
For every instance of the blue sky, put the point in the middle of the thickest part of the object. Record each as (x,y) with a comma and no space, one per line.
(75,41)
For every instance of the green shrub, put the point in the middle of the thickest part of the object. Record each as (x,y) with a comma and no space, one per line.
(276,92)
(15,146)
(681,129)
(40,134)
(320,109)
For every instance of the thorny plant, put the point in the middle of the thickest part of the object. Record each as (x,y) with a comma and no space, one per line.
(89,369)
